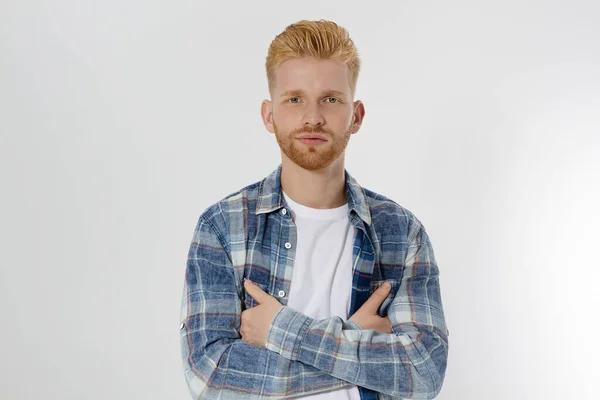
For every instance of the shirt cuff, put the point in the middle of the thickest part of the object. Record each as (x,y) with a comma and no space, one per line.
(286,332)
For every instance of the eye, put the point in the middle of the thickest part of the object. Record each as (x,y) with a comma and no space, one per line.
(336,100)
(292,98)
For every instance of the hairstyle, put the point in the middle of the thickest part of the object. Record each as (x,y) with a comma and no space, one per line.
(319,39)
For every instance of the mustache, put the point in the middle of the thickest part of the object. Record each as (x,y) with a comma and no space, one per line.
(311,130)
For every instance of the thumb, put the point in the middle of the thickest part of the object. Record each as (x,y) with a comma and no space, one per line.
(255,291)
(378,296)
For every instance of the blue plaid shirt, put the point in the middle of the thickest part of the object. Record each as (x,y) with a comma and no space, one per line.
(250,235)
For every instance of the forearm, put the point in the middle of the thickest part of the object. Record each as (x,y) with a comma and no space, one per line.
(237,369)
(405,363)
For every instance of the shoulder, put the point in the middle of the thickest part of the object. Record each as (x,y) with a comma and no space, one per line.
(388,215)
(231,207)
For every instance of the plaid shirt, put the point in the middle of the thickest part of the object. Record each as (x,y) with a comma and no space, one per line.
(251,235)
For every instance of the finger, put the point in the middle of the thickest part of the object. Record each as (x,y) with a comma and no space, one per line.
(259,295)
(378,296)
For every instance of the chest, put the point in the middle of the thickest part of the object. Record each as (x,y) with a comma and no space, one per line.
(274,245)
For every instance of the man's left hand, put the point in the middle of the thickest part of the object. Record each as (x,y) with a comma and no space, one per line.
(256,320)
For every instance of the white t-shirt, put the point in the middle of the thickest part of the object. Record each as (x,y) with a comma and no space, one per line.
(322,275)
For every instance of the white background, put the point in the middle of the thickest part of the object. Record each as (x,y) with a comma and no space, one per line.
(121,121)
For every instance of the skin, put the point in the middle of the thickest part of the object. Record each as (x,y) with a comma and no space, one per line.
(256,321)
(313,175)
(311,96)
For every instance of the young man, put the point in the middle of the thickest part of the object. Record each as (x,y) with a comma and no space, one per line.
(284,291)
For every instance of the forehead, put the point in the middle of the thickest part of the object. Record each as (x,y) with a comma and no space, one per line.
(312,76)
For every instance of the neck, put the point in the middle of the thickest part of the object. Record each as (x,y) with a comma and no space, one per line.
(324,188)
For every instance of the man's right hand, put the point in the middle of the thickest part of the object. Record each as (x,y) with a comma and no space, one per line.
(366,316)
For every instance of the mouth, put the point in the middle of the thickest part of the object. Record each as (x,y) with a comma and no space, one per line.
(315,141)
(312,136)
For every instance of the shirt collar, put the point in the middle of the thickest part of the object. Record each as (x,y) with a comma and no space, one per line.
(271,199)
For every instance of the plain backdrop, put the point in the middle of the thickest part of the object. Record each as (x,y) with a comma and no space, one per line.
(121,121)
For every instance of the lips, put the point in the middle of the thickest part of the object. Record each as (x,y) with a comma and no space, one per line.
(312,142)
(312,136)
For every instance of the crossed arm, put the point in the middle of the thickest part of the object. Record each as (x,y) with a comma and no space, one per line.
(310,355)
(256,321)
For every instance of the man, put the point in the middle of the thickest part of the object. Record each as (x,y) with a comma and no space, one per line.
(284,293)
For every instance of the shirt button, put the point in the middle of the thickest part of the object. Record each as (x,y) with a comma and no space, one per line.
(281,293)
(284,211)
(182,326)
(288,245)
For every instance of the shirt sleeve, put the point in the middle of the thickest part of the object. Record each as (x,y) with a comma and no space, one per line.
(217,363)
(410,362)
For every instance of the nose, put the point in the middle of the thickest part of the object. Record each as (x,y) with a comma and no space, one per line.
(313,117)
(310,127)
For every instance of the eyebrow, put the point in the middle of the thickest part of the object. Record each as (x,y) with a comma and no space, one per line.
(301,92)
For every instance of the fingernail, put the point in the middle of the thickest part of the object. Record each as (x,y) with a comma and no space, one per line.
(248,282)
(386,285)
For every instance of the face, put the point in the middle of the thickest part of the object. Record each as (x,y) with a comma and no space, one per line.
(312,96)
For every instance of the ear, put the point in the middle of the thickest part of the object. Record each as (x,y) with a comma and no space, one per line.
(357,116)
(266,112)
